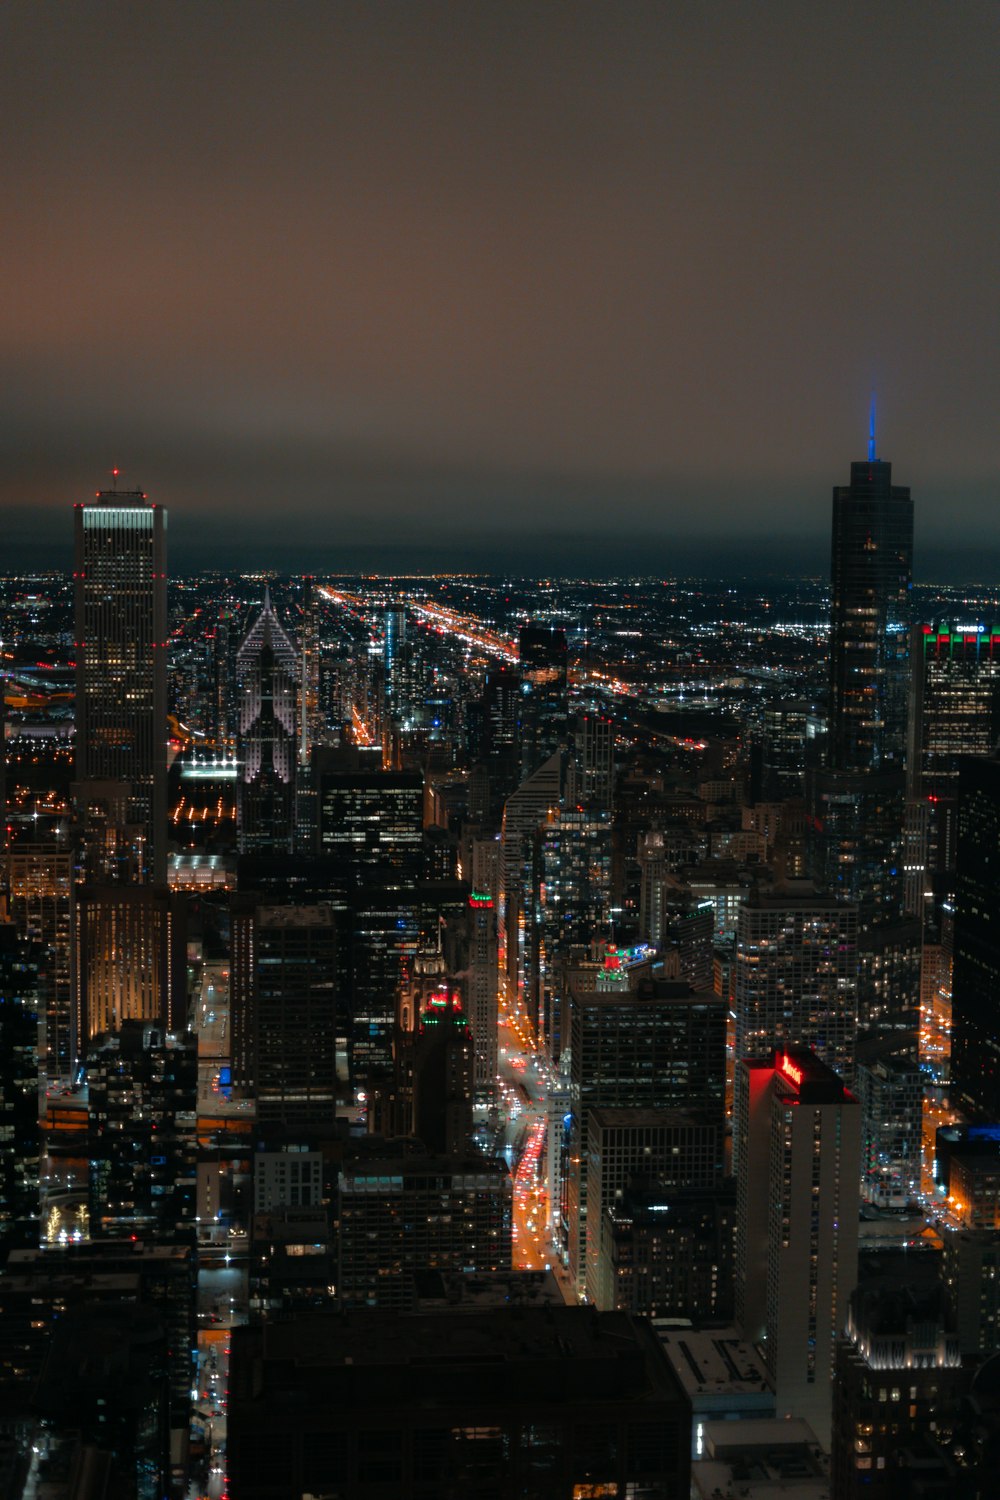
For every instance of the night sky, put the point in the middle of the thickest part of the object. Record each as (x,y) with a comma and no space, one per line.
(552,284)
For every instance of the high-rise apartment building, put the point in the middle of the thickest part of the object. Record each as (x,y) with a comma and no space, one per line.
(401,1215)
(797,1223)
(795,981)
(120,577)
(267,675)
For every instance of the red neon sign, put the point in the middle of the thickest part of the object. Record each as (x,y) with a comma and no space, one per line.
(788,1069)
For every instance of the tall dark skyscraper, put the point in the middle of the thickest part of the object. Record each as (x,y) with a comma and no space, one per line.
(267,674)
(857,802)
(544,705)
(871,577)
(121,685)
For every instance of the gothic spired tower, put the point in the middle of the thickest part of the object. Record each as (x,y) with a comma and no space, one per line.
(121,685)
(267,672)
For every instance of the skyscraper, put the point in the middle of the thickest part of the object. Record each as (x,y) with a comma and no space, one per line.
(797,1223)
(284,1011)
(796,975)
(871,577)
(857,802)
(267,675)
(121,685)
(544,686)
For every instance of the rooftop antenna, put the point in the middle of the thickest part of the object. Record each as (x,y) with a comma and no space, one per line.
(114,480)
(871,432)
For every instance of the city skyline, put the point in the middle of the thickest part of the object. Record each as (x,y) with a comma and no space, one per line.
(613,284)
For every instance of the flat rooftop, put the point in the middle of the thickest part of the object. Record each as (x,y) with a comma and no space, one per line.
(473,1359)
(713,1360)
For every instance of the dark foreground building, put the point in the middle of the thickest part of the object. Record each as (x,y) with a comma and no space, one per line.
(542,1401)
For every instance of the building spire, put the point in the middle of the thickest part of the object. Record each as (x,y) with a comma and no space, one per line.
(871,432)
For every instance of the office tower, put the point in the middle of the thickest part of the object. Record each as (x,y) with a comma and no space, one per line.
(797,1223)
(795,980)
(954,711)
(681,1149)
(267,676)
(20,960)
(283,999)
(520,1402)
(871,578)
(439,1061)
(129,961)
(500,734)
(544,668)
(40,887)
(663,1048)
(890,1092)
(403,1214)
(857,802)
(143,1097)
(669,1254)
(520,875)
(975,1051)
(594,742)
(372,820)
(120,574)
(899,1378)
(383,935)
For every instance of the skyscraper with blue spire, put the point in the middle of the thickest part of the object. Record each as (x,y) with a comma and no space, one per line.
(871,578)
(857,800)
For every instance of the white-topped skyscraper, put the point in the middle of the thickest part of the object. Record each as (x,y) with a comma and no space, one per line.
(267,678)
(120,585)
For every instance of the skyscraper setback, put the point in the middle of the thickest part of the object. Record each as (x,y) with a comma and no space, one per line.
(121,685)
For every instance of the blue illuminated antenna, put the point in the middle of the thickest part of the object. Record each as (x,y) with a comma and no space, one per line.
(871,432)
